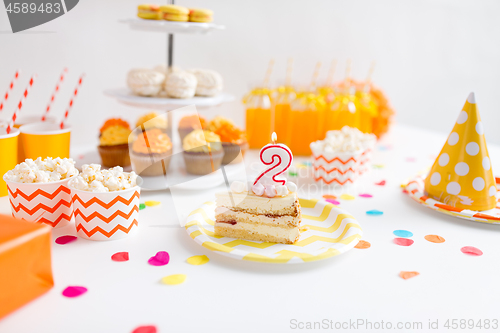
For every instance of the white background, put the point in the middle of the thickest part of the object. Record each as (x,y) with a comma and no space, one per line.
(429,54)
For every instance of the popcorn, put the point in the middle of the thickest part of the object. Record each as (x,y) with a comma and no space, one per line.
(93,179)
(42,171)
(346,140)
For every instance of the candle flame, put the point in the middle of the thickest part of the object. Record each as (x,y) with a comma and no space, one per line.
(274,137)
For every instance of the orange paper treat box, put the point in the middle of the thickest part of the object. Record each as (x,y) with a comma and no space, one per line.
(25,263)
(462,175)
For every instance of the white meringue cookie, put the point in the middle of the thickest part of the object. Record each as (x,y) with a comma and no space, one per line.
(181,85)
(238,187)
(145,82)
(258,189)
(281,190)
(209,82)
(270,191)
(291,186)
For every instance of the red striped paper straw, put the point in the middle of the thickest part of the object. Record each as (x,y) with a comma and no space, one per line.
(20,105)
(71,101)
(7,94)
(53,97)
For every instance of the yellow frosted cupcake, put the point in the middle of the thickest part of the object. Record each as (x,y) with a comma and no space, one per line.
(203,152)
(151,153)
(233,139)
(152,120)
(113,143)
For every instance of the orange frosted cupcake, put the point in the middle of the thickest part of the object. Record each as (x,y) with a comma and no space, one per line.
(189,124)
(113,143)
(151,152)
(233,139)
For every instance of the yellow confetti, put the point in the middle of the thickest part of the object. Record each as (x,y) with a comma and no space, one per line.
(198,260)
(347,197)
(152,203)
(174,279)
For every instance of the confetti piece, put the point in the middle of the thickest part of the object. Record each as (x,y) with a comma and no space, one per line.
(301,166)
(333,202)
(411,159)
(120,256)
(403,241)
(347,197)
(374,212)
(403,233)
(74,291)
(434,238)
(65,239)
(81,157)
(304,229)
(152,203)
(142,206)
(366,195)
(198,260)
(473,251)
(145,329)
(174,279)
(408,275)
(329,196)
(293,173)
(362,245)
(382,183)
(378,166)
(160,259)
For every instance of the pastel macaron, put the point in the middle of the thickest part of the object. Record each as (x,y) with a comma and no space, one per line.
(149,12)
(175,13)
(200,15)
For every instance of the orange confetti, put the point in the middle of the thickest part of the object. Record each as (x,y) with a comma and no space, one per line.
(329,196)
(435,238)
(408,275)
(363,245)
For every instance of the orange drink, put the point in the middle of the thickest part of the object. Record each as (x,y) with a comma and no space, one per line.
(258,117)
(281,106)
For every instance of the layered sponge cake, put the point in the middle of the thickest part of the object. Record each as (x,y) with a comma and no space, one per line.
(270,214)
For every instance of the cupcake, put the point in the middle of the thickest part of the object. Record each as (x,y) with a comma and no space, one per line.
(189,124)
(233,139)
(151,152)
(113,143)
(152,120)
(203,152)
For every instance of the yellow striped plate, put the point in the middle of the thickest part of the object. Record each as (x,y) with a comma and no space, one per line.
(327,231)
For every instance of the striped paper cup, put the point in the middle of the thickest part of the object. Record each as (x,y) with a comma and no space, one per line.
(48,203)
(106,216)
(337,167)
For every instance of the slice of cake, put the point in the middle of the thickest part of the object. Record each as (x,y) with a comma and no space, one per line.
(268,214)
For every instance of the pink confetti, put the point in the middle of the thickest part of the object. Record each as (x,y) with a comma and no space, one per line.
(403,241)
(65,239)
(160,259)
(120,256)
(334,202)
(81,157)
(382,183)
(366,195)
(473,251)
(410,159)
(145,329)
(74,291)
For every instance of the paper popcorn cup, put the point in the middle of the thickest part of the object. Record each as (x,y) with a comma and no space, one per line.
(337,167)
(45,140)
(106,216)
(8,157)
(48,203)
(365,161)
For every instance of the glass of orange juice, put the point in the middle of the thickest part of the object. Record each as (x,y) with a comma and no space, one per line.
(258,117)
(282,99)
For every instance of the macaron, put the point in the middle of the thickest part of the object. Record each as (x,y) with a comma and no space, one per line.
(175,13)
(200,15)
(149,12)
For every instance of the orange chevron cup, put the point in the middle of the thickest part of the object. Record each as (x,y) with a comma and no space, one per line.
(45,140)
(102,216)
(8,160)
(336,167)
(48,203)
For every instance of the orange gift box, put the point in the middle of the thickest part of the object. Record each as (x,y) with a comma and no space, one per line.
(25,263)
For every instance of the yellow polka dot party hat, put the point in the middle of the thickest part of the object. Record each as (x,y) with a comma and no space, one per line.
(462,176)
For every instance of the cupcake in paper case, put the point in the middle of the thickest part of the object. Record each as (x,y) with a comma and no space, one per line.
(105,202)
(151,152)
(152,120)
(233,139)
(113,143)
(342,156)
(190,123)
(203,152)
(38,190)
